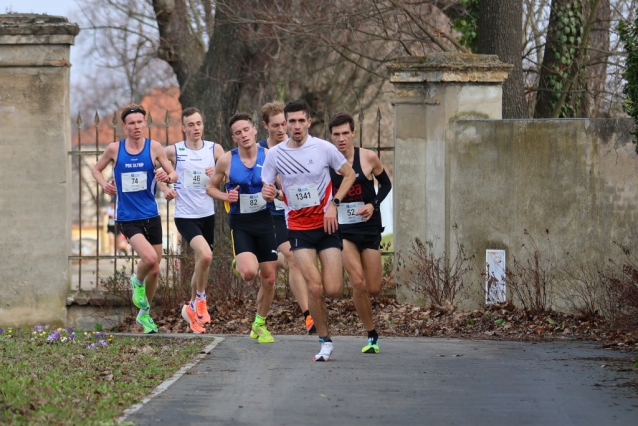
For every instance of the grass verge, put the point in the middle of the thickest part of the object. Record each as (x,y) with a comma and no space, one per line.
(58,377)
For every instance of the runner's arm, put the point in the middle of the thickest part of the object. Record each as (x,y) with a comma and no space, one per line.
(169,193)
(107,156)
(168,173)
(219,177)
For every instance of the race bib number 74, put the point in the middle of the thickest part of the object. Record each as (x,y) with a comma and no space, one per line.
(133,181)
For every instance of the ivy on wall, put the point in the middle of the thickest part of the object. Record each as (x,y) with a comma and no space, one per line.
(629,36)
(468,25)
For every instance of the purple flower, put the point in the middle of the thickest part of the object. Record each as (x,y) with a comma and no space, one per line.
(69,330)
(91,346)
(1,330)
(39,328)
(53,336)
(103,342)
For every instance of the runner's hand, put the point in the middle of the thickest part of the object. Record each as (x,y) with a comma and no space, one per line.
(161,176)
(110,188)
(330,224)
(269,192)
(233,195)
(366,211)
(170,194)
(209,172)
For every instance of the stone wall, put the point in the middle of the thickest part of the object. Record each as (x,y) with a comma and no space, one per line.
(572,184)
(34,167)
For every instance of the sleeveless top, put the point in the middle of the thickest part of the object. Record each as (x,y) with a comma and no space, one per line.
(278,208)
(135,182)
(190,165)
(249,182)
(362,190)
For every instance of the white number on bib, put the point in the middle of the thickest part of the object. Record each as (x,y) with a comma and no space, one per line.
(251,203)
(303,196)
(279,205)
(133,182)
(347,213)
(195,179)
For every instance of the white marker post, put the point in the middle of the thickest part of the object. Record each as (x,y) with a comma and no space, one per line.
(494,276)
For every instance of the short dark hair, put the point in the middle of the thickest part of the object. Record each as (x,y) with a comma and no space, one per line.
(298,105)
(341,118)
(190,111)
(270,110)
(239,117)
(132,109)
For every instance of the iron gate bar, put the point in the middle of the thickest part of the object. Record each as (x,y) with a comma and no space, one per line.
(167,120)
(79,124)
(98,195)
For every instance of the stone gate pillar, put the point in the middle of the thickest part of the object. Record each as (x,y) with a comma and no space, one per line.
(429,92)
(35,174)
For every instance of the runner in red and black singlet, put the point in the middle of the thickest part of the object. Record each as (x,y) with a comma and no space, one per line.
(359,220)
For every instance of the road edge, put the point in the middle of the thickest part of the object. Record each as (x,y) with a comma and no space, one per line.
(165,384)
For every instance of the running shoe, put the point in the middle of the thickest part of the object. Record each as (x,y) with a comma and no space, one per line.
(372,347)
(139,294)
(261,333)
(234,265)
(191,318)
(203,317)
(325,353)
(310,325)
(146,322)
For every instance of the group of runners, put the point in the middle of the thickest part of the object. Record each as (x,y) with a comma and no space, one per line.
(295,202)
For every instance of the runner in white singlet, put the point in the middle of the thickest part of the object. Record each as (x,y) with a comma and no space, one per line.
(194,161)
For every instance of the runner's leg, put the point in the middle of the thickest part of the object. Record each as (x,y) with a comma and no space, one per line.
(267,289)
(295,279)
(372,267)
(307,261)
(331,272)
(352,262)
(203,257)
(247,265)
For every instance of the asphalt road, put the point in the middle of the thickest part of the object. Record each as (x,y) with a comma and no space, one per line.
(413,381)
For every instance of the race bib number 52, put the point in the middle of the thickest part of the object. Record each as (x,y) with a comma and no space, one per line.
(303,196)
(133,181)
(347,213)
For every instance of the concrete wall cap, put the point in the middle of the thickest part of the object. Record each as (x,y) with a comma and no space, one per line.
(32,24)
(449,67)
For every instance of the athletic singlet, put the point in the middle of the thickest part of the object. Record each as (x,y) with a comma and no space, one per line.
(279,207)
(305,178)
(135,183)
(362,190)
(250,184)
(190,165)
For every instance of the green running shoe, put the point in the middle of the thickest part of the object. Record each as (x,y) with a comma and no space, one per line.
(139,294)
(146,322)
(261,333)
(371,348)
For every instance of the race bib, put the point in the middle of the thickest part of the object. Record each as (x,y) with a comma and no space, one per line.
(303,196)
(251,203)
(195,179)
(133,181)
(111,221)
(347,213)
(279,205)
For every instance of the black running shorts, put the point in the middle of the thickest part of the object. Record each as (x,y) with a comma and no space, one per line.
(281,231)
(150,228)
(363,241)
(190,228)
(254,233)
(316,239)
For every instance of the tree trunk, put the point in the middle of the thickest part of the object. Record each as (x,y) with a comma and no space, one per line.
(564,38)
(591,104)
(500,32)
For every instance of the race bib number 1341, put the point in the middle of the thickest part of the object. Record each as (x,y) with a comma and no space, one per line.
(303,196)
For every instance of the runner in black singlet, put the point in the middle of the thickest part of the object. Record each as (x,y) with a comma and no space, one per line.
(359,220)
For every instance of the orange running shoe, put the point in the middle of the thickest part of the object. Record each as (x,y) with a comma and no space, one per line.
(203,317)
(191,317)
(310,325)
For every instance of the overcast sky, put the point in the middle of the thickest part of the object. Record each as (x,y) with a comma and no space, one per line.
(50,7)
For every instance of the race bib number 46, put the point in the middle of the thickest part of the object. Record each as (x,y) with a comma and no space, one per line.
(347,213)
(133,181)
(251,203)
(195,179)
(303,196)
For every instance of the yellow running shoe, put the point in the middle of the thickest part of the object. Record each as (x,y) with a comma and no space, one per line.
(261,333)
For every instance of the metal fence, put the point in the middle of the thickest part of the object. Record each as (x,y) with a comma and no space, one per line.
(91,201)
